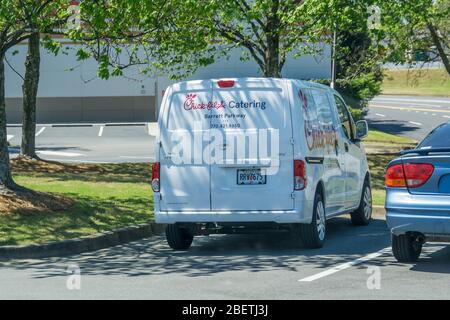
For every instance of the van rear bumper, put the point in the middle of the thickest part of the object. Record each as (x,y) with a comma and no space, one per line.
(292,216)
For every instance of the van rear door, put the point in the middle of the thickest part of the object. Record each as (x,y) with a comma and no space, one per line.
(254,121)
(185,174)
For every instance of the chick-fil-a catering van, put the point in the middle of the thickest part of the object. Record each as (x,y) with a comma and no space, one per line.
(257,154)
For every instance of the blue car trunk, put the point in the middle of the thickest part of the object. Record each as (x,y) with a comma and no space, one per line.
(439,182)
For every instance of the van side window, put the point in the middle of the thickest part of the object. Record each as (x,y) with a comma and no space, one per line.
(344,117)
(324,111)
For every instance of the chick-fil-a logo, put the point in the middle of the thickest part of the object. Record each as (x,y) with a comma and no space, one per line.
(190,104)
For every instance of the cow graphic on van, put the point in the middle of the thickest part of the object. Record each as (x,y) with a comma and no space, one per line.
(317,136)
(310,131)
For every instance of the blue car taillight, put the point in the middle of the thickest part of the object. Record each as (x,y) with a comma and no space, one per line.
(411,175)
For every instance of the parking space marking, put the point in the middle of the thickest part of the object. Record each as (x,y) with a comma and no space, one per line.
(100,132)
(346,265)
(40,131)
(9,137)
(60,154)
(136,157)
(77,161)
(415,123)
(151,128)
(380,115)
(448,117)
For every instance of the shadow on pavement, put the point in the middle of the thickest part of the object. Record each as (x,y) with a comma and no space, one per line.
(392,126)
(217,254)
(436,262)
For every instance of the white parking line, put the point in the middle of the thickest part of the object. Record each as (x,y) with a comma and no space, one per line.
(100,132)
(346,265)
(380,115)
(415,123)
(40,131)
(77,161)
(152,129)
(136,157)
(448,117)
(60,154)
(9,137)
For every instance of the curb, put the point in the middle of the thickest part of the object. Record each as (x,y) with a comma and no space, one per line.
(378,211)
(80,245)
(95,242)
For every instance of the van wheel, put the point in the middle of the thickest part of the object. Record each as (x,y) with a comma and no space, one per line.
(313,234)
(178,238)
(406,248)
(363,215)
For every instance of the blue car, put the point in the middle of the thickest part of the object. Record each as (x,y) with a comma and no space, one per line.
(418,195)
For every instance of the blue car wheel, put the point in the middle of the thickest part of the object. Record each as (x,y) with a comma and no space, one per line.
(406,247)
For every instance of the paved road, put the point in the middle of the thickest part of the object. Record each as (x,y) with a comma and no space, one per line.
(240,267)
(408,116)
(96,143)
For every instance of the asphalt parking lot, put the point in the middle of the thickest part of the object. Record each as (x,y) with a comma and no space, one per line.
(113,143)
(356,263)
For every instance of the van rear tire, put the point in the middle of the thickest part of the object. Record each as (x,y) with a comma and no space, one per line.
(313,234)
(363,215)
(178,238)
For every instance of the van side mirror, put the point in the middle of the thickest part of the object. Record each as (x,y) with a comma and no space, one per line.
(362,129)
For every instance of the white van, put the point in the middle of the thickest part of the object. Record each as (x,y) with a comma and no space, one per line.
(256,154)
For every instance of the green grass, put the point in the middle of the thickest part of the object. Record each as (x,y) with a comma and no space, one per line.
(428,82)
(117,198)
(390,145)
(377,165)
(377,137)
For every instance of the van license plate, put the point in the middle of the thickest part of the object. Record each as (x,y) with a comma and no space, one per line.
(251,176)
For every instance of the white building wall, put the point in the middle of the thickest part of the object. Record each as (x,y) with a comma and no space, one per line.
(66,83)
(64,76)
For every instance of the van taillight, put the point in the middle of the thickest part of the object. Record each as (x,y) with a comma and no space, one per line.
(225,83)
(411,175)
(155,177)
(299,175)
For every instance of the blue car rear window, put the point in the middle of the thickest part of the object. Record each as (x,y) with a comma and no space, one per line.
(438,138)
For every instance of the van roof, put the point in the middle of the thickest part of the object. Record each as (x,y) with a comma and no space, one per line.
(267,81)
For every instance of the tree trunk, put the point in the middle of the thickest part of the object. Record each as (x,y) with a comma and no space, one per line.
(30,89)
(272,66)
(440,48)
(272,58)
(6,181)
